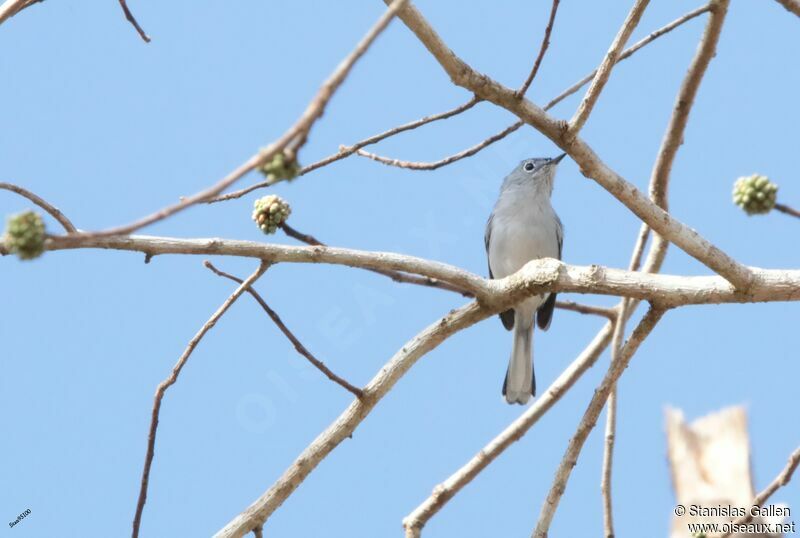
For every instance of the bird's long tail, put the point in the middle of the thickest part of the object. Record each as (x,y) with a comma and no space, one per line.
(520,383)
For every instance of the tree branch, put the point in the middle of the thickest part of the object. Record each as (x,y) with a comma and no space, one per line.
(674,135)
(171,379)
(591,166)
(469,152)
(611,424)
(603,72)
(590,419)
(133,21)
(608,313)
(608,463)
(301,349)
(12,7)
(630,51)
(416,520)
(295,135)
(346,151)
(783,208)
(344,426)
(48,207)
(535,277)
(542,49)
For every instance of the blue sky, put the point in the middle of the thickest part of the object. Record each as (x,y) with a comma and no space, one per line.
(109,129)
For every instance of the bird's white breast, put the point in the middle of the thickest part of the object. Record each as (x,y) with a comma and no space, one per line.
(523,228)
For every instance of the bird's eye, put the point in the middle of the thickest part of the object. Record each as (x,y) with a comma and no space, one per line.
(528,166)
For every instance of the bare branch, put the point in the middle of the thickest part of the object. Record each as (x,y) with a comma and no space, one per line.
(12,7)
(448,489)
(608,313)
(380,261)
(630,51)
(301,349)
(469,152)
(397,276)
(608,464)
(295,135)
(659,220)
(792,6)
(172,378)
(788,210)
(673,137)
(781,480)
(348,421)
(659,181)
(48,207)
(133,21)
(590,419)
(346,151)
(604,70)
(542,49)
(535,277)
(611,424)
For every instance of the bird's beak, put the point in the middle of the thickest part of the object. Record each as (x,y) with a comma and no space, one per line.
(556,160)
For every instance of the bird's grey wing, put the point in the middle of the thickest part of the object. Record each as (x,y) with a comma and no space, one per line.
(506,317)
(544,315)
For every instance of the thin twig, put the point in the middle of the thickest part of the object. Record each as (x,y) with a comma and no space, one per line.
(258,532)
(604,70)
(172,378)
(542,49)
(469,152)
(589,419)
(781,480)
(397,276)
(133,21)
(346,151)
(608,313)
(630,51)
(611,425)
(788,210)
(349,150)
(296,134)
(50,208)
(300,236)
(608,463)
(513,127)
(301,349)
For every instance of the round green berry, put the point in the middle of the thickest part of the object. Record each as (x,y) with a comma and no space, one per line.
(755,194)
(270,212)
(25,235)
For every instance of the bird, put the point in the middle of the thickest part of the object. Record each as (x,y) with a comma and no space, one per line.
(523,226)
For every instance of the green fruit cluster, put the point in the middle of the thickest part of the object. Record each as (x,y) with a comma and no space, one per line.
(270,212)
(280,167)
(25,235)
(755,194)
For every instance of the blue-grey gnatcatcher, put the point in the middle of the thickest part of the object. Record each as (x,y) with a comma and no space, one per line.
(523,226)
